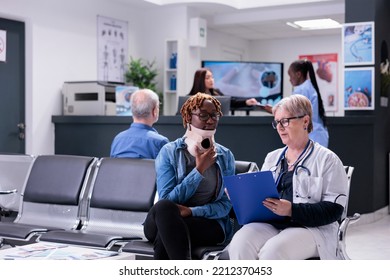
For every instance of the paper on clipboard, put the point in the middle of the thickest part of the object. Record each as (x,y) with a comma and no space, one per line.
(247,192)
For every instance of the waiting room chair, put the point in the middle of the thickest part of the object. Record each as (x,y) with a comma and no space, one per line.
(144,249)
(14,171)
(122,192)
(51,197)
(242,166)
(346,221)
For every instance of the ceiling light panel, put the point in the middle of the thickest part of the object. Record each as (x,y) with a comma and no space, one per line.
(325,23)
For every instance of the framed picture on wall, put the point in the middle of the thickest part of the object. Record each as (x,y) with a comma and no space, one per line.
(326,70)
(358,43)
(359,88)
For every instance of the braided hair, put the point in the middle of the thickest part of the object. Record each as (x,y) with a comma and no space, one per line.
(305,66)
(195,102)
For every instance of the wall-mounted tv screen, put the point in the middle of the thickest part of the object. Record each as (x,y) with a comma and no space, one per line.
(261,80)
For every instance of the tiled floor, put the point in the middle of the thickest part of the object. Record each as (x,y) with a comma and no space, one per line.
(369,238)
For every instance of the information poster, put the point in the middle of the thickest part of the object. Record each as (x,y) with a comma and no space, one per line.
(112,49)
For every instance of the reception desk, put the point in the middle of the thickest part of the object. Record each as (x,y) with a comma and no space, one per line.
(250,138)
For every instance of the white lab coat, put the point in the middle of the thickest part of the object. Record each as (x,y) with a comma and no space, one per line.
(327,182)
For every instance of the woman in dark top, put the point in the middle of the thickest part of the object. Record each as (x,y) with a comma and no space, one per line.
(204,82)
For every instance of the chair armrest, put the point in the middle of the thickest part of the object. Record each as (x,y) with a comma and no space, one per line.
(8,191)
(342,233)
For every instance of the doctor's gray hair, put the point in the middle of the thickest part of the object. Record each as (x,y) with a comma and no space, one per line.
(143,102)
(296,105)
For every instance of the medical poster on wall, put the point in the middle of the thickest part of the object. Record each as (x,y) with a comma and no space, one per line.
(112,39)
(359,88)
(358,43)
(326,67)
(3,45)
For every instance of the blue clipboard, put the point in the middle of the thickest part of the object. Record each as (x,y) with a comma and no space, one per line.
(247,192)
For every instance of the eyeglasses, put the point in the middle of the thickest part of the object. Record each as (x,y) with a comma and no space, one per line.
(203,116)
(285,121)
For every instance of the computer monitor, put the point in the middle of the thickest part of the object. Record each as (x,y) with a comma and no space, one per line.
(247,79)
(224,100)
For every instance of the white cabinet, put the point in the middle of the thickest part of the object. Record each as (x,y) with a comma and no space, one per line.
(174,75)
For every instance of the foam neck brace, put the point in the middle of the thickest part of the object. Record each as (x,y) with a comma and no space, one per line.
(195,137)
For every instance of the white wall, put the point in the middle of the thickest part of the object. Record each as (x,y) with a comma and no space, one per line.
(219,45)
(156,27)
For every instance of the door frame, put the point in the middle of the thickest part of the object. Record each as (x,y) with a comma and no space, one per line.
(28,92)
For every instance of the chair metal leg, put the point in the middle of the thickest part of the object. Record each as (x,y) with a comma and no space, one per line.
(342,233)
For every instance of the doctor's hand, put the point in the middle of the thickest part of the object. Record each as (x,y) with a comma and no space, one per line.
(206,159)
(251,102)
(281,207)
(268,108)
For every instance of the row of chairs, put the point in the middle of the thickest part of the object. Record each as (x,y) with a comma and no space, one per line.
(84,201)
(79,200)
(98,203)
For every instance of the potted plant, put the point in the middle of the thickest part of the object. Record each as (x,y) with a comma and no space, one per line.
(142,73)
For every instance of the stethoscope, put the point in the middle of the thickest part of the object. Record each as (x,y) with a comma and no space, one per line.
(300,167)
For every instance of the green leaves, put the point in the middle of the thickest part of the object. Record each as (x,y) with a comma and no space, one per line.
(142,73)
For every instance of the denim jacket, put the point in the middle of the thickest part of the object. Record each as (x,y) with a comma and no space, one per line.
(173,184)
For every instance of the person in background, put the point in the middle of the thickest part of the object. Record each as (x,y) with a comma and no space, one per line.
(303,80)
(141,140)
(193,208)
(204,82)
(312,185)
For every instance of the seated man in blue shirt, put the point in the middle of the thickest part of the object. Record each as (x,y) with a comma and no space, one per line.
(141,140)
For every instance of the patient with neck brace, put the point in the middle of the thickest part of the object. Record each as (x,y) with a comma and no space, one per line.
(193,208)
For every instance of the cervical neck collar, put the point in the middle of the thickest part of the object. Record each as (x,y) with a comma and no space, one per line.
(195,137)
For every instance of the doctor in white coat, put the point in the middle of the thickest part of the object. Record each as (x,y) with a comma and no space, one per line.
(312,186)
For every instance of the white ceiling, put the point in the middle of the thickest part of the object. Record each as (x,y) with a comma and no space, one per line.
(258,23)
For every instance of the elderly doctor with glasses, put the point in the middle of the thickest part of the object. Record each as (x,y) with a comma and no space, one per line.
(312,185)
